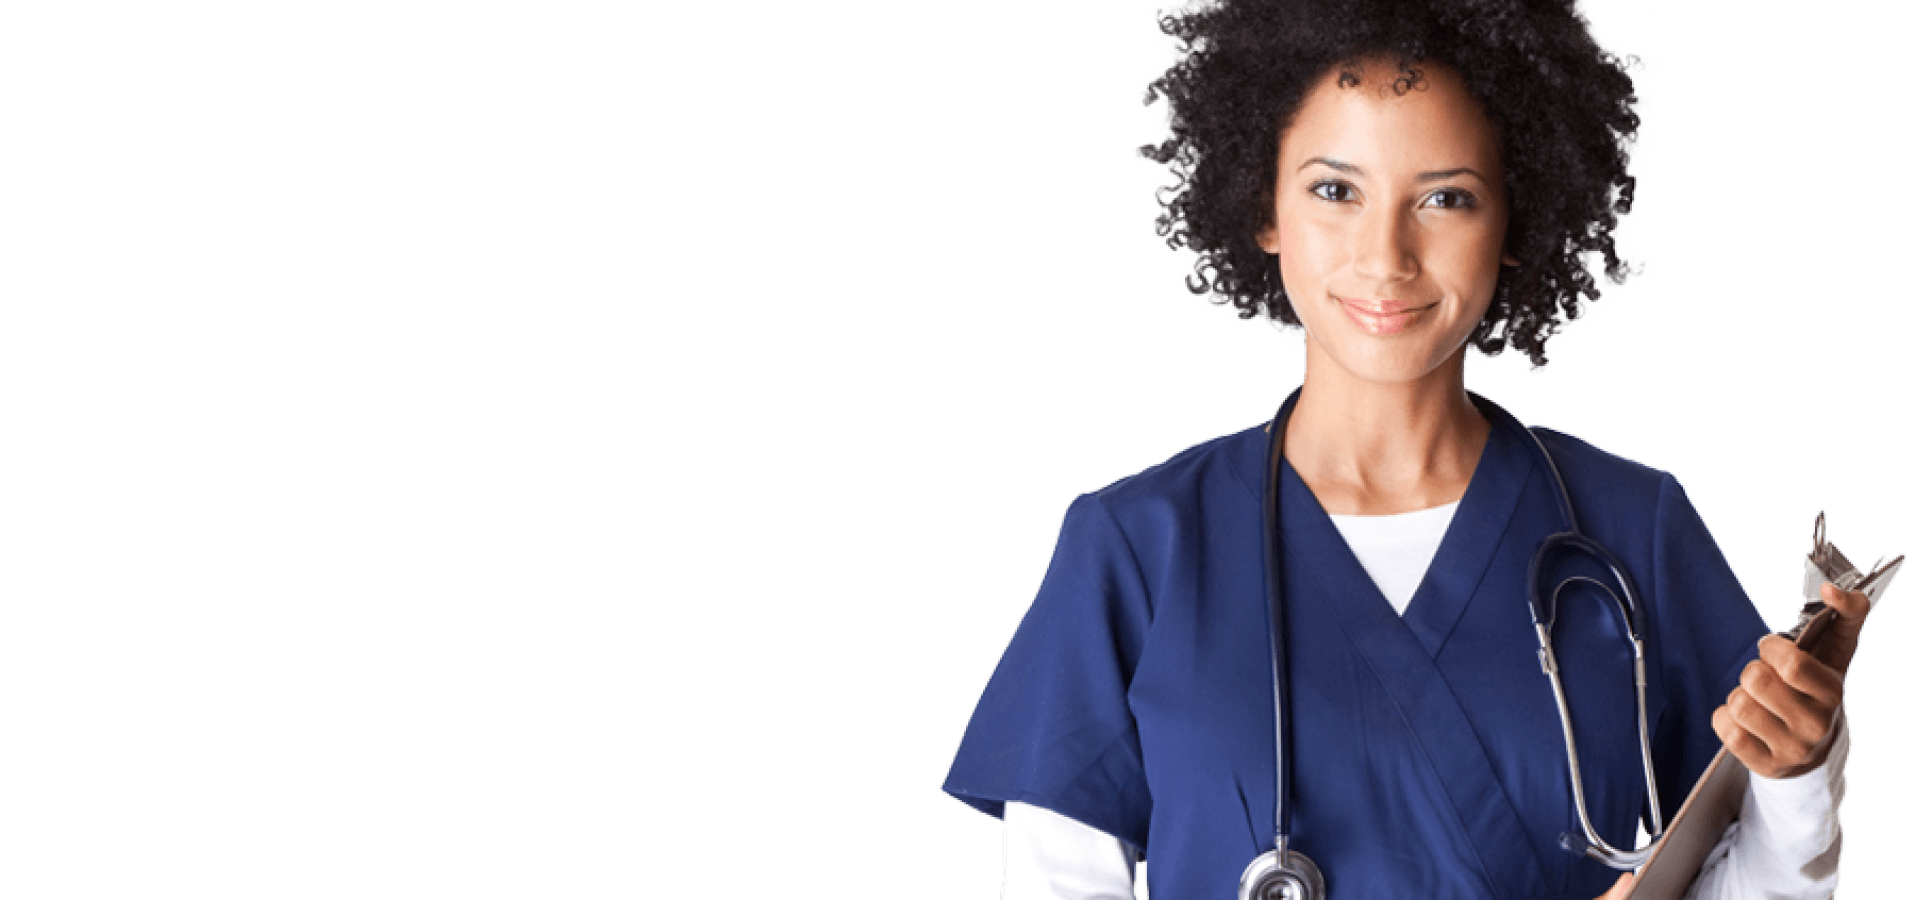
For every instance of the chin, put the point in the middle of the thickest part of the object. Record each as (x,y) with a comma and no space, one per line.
(1392,361)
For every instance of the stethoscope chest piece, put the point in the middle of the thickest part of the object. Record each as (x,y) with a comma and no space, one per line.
(1282,874)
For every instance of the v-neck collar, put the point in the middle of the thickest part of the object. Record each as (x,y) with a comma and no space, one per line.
(1402,650)
(1475,533)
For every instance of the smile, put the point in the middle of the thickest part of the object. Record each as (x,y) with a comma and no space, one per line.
(1381,317)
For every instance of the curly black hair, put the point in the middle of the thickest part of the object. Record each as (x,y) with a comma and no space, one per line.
(1562,106)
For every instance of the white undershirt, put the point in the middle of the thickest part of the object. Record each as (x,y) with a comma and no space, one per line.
(1784,844)
(1396,550)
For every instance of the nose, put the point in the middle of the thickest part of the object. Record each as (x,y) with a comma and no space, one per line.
(1385,246)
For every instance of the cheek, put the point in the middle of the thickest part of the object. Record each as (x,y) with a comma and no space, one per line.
(1310,253)
(1468,268)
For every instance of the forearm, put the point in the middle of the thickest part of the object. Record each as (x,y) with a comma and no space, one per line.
(1786,840)
(1052,857)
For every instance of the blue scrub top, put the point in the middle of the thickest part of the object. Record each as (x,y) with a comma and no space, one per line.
(1428,758)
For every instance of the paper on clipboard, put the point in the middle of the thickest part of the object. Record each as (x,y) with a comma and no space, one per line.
(1713,803)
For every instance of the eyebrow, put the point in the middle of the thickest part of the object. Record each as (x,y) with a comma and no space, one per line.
(1353,169)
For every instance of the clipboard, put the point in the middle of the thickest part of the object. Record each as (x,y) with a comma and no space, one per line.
(1678,855)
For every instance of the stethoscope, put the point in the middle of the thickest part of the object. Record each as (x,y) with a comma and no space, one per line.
(1280,873)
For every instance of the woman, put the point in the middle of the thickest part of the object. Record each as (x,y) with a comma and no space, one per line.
(1403,181)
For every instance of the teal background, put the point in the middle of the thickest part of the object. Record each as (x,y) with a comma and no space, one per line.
(599,449)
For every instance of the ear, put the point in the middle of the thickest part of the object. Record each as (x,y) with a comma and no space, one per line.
(1268,239)
(1511,261)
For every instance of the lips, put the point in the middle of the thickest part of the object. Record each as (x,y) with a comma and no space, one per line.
(1381,316)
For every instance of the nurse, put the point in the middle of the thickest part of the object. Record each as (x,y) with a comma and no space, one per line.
(1404,181)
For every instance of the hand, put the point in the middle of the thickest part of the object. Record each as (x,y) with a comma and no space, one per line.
(1621,889)
(1778,719)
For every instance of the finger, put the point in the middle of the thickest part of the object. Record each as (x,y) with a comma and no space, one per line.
(1621,889)
(1748,749)
(1805,719)
(1840,641)
(1852,606)
(1776,736)
(1801,672)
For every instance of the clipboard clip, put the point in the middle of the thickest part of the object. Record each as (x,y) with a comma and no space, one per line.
(1826,563)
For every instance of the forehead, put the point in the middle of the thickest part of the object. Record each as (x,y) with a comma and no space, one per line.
(1378,116)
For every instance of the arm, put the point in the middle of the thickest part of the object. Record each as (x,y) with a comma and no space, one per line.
(1784,721)
(1785,842)
(1052,857)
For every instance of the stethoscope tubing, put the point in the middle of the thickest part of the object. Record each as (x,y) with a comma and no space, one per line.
(1542,614)
(1278,617)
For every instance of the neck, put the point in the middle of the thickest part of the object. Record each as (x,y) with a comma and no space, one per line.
(1372,448)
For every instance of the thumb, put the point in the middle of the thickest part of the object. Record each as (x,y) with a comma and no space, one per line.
(1852,606)
(1840,641)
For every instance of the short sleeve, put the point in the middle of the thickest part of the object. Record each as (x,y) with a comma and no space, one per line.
(1053,728)
(1705,631)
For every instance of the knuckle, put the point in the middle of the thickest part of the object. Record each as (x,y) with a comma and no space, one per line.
(1809,727)
(1730,731)
(1790,751)
(1824,688)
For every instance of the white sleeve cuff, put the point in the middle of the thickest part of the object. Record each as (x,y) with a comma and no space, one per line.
(1785,842)
(1052,857)
(1811,796)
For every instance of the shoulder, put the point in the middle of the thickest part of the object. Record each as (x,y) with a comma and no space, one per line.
(1147,540)
(1163,519)
(1194,476)
(1596,476)
(1617,500)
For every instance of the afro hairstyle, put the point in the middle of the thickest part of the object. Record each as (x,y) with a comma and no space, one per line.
(1562,107)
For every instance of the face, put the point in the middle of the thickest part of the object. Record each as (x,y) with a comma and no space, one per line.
(1389,219)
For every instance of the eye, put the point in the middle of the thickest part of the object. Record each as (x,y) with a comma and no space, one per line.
(1450,198)
(1333,191)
